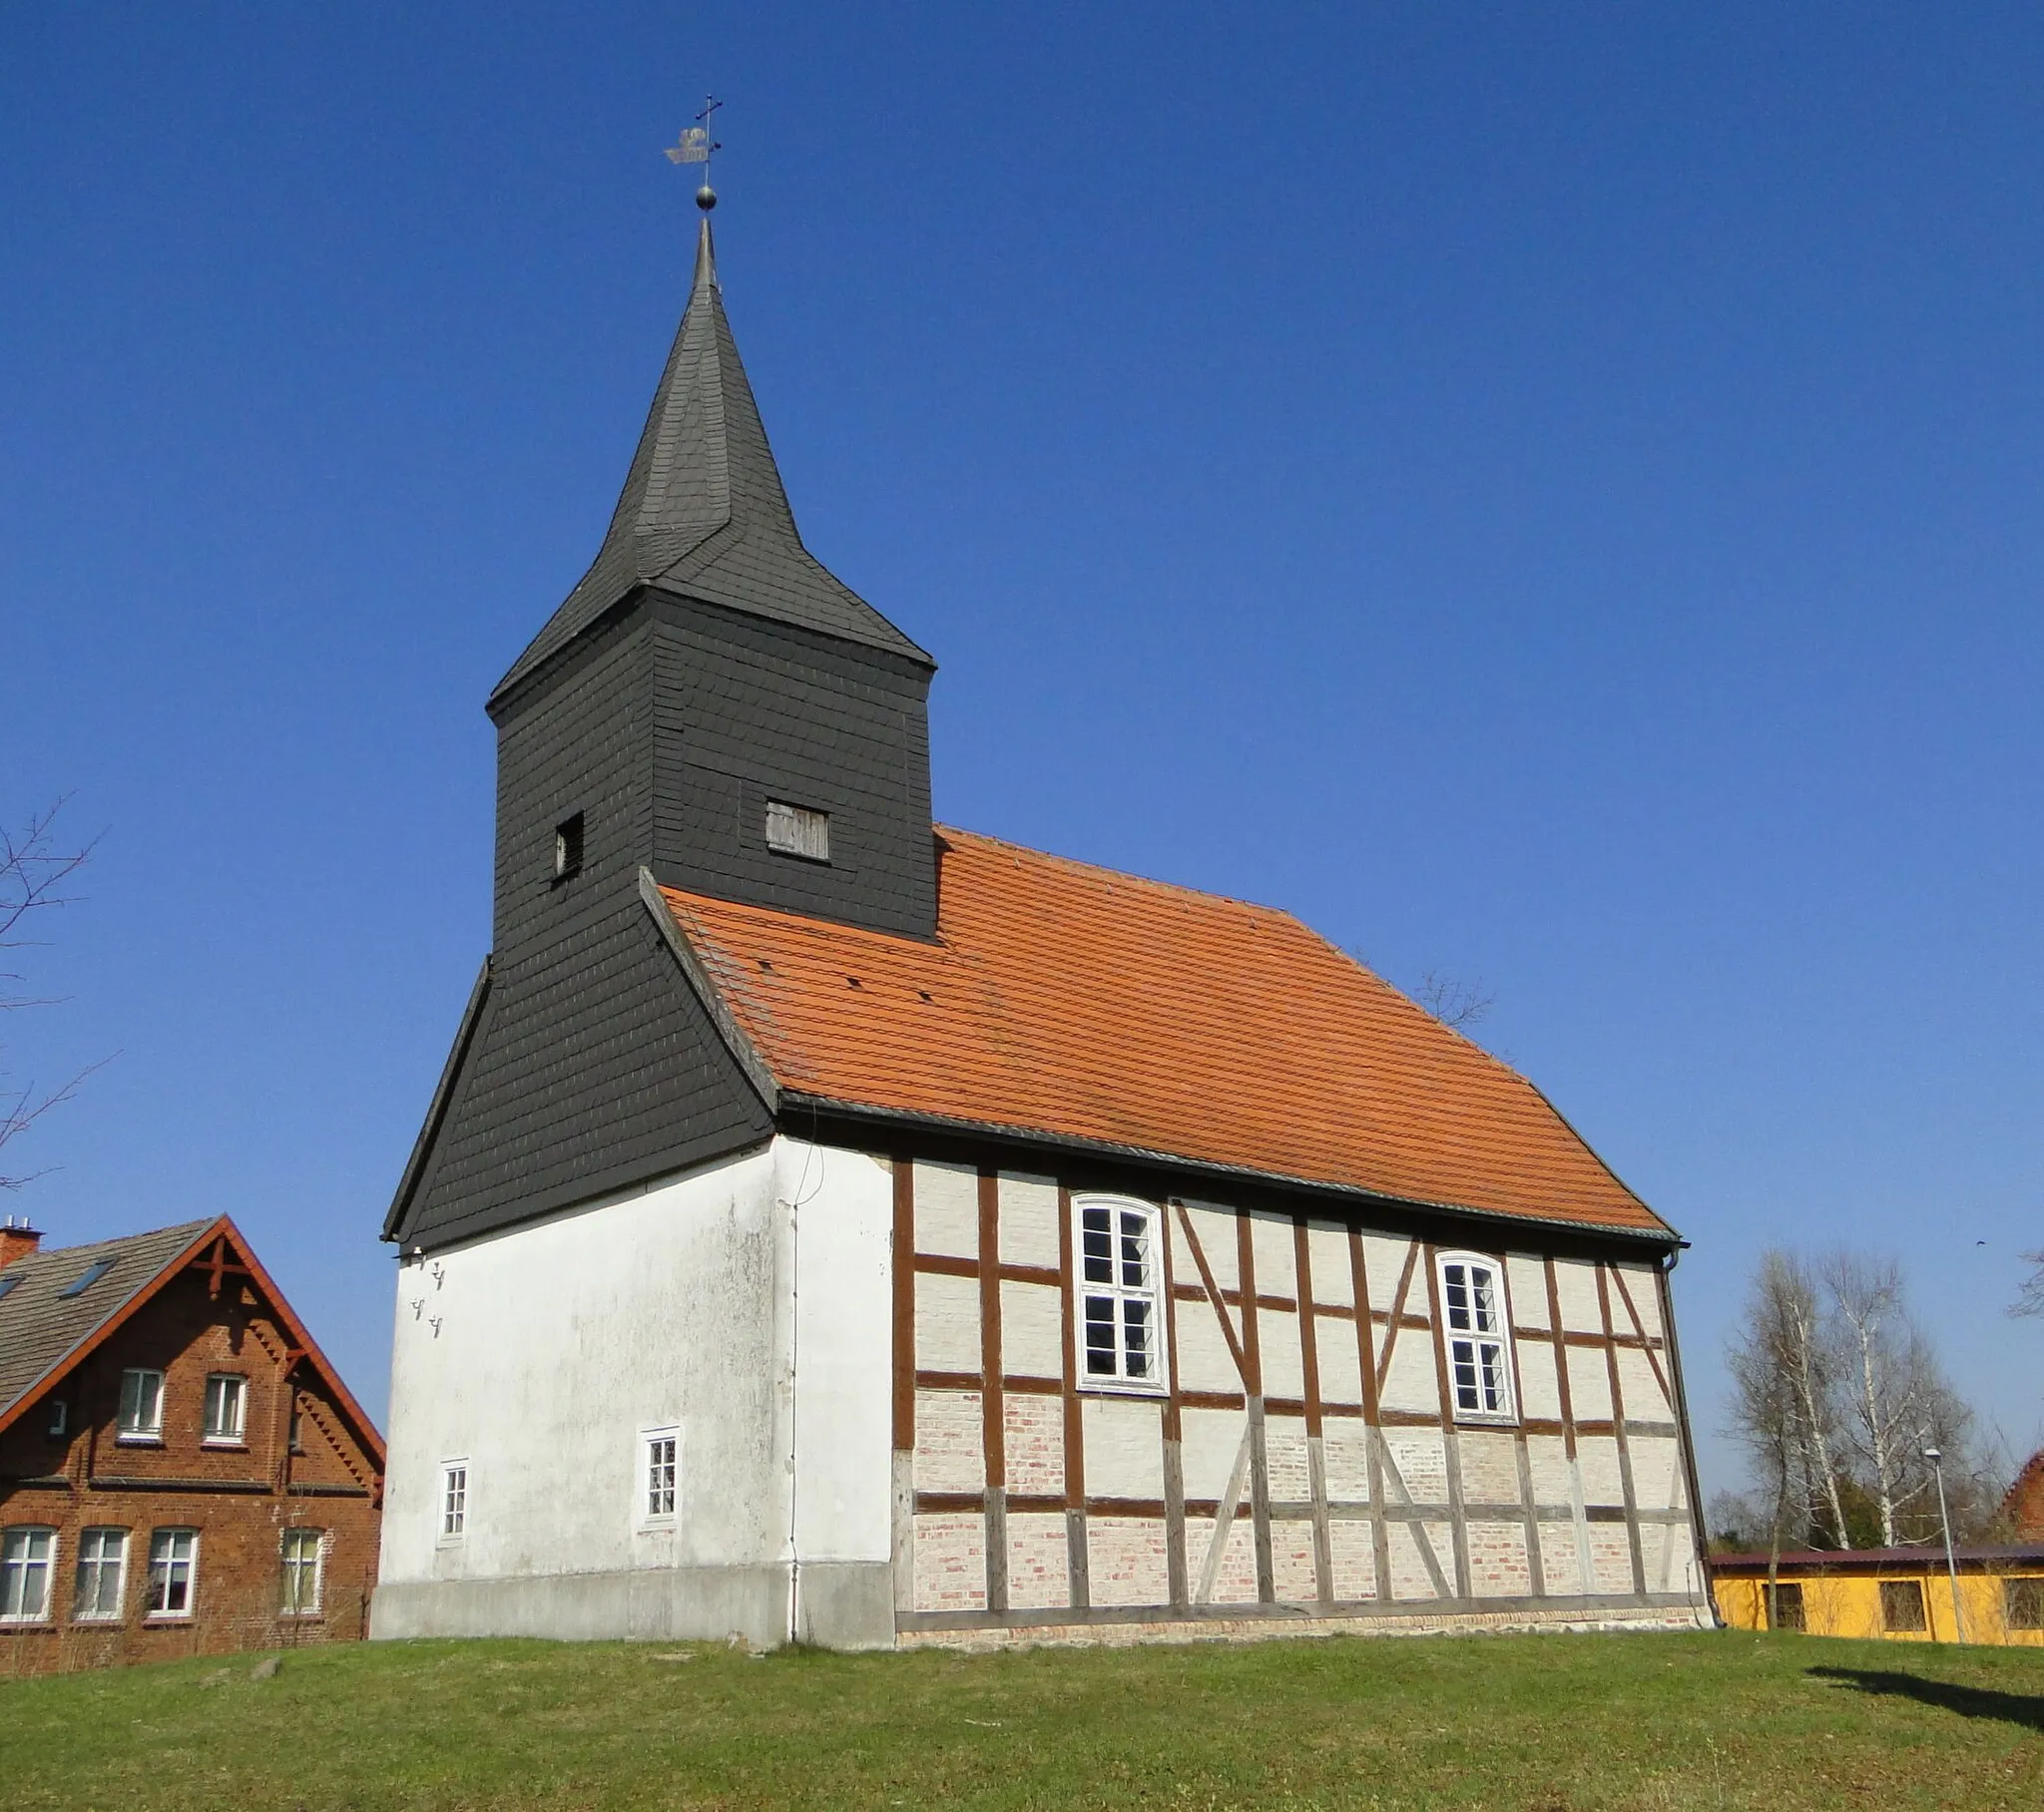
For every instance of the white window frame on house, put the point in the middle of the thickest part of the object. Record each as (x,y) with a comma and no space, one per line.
(226,1409)
(1118,1294)
(142,1406)
(101,1557)
(301,1557)
(1476,1331)
(28,1572)
(173,1561)
(659,1477)
(450,1514)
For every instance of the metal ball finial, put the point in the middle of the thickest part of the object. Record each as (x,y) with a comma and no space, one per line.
(706,197)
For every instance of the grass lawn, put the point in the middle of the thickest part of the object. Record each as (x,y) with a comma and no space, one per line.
(1535,1722)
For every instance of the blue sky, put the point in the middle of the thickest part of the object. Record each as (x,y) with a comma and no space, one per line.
(1549,494)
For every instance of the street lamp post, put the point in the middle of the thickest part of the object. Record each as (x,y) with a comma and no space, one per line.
(1951,1564)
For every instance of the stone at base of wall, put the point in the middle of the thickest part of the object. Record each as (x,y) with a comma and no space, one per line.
(840,1605)
(1120,1635)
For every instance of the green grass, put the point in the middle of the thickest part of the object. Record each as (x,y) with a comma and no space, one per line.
(1534,1722)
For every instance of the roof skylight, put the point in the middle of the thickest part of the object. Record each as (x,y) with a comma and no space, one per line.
(86,1279)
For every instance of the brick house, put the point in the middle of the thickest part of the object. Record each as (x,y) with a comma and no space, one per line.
(2023,1509)
(180,1470)
(837,1226)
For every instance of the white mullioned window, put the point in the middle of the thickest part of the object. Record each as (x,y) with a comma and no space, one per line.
(453,1500)
(1478,1336)
(101,1582)
(227,1404)
(659,1475)
(1120,1263)
(142,1405)
(303,1553)
(172,1572)
(28,1556)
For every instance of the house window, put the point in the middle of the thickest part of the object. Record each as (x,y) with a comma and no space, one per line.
(172,1572)
(1788,1606)
(1479,1356)
(304,1554)
(60,1418)
(227,1396)
(2022,1604)
(568,848)
(102,1575)
(142,1406)
(1901,1606)
(26,1558)
(1119,1265)
(298,1434)
(794,830)
(659,1448)
(453,1500)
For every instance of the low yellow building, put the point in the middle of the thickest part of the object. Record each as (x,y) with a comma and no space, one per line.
(1895,1593)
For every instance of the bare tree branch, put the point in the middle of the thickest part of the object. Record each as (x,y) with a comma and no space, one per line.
(34,869)
(2030,1297)
(1457,1005)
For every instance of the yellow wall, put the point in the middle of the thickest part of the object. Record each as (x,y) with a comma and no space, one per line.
(1849,1604)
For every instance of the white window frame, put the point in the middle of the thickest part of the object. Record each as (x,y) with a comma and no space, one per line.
(91,1569)
(1476,1333)
(293,1566)
(28,1556)
(211,1436)
(652,1487)
(450,1509)
(1130,1304)
(165,1558)
(140,1430)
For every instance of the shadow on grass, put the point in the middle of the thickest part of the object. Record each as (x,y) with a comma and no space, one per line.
(2026,1710)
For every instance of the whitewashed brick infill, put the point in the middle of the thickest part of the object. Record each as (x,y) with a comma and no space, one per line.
(1490,1467)
(1125,1560)
(1558,1562)
(950,1562)
(1029,1219)
(1497,1560)
(946,1210)
(1285,1453)
(1589,1384)
(1039,1563)
(1334,1274)
(1340,1360)
(1124,1446)
(946,1325)
(1035,1441)
(949,1447)
(1032,1331)
(1355,1563)
(1345,1447)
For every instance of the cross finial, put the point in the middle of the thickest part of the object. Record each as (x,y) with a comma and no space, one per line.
(695,147)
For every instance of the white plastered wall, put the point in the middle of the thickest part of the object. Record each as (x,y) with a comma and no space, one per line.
(744,1304)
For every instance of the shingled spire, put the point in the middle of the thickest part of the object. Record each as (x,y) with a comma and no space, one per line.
(703,512)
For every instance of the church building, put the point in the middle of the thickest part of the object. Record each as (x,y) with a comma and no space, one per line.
(835,1226)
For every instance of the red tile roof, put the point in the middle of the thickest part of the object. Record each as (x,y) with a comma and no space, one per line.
(1071,1001)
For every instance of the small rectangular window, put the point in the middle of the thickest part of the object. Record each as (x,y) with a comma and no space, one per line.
(1479,1361)
(60,1418)
(659,1450)
(172,1572)
(453,1500)
(1901,1606)
(568,847)
(1120,1264)
(227,1396)
(304,1553)
(27,1557)
(102,1575)
(2022,1604)
(142,1406)
(794,830)
(1788,1606)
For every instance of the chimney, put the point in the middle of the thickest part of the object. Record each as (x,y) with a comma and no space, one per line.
(17,1239)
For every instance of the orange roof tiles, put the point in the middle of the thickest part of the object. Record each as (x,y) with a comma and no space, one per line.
(1076,1003)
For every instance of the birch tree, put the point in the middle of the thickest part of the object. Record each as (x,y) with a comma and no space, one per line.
(1785,1401)
(1897,1400)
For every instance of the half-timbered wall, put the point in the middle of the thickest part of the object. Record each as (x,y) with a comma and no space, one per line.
(1297,1462)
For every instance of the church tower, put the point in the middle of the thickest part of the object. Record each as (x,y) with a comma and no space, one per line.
(710,707)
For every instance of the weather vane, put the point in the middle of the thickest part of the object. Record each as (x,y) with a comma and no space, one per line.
(695,147)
